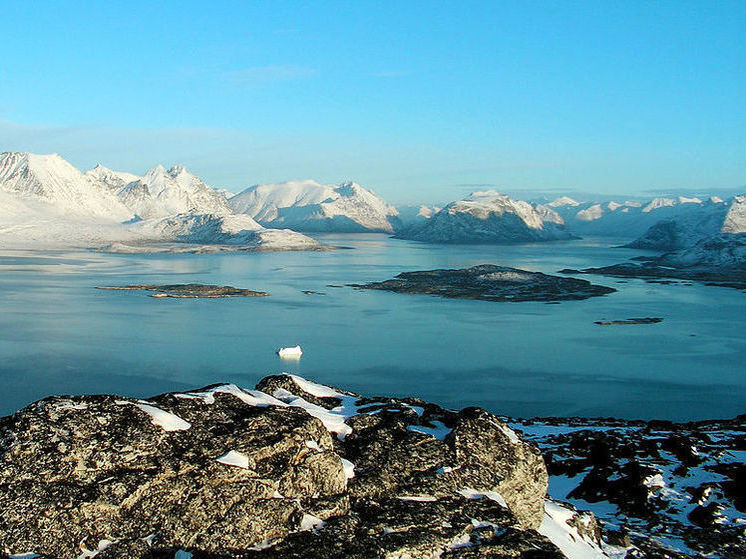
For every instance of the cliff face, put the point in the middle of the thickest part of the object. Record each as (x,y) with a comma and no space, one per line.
(292,469)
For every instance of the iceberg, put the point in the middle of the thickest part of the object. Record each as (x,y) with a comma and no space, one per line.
(290,352)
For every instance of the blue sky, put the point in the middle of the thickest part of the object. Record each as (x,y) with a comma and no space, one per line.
(421,101)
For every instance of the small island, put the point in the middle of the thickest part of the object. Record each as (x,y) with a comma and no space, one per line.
(646,320)
(488,282)
(189,291)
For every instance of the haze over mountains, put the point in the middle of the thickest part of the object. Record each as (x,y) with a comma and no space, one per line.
(45,200)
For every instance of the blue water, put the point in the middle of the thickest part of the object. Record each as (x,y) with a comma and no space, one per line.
(59,335)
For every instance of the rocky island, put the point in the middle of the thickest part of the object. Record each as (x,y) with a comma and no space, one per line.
(189,290)
(491,283)
(718,260)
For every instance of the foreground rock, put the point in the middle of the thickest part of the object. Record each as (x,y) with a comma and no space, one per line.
(674,490)
(292,469)
(190,290)
(491,283)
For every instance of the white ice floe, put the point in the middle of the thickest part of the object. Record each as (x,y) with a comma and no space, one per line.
(311,522)
(567,538)
(161,418)
(491,495)
(440,431)
(233,458)
(290,352)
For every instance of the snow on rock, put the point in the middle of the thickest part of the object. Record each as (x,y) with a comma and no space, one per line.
(234,458)
(438,430)
(102,545)
(307,205)
(488,217)
(311,522)
(249,397)
(558,527)
(160,418)
(492,495)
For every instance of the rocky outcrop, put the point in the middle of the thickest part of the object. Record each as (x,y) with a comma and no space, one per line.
(491,283)
(673,489)
(292,469)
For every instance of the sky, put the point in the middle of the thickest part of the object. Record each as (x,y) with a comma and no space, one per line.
(421,101)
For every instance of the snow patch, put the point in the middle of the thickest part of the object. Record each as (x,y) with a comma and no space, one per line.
(234,458)
(160,418)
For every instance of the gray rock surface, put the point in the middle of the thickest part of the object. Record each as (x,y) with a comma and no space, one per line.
(293,469)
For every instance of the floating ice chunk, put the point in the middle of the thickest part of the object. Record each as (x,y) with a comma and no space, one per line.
(418,498)
(161,418)
(491,495)
(440,431)
(311,522)
(290,352)
(233,458)
(349,468)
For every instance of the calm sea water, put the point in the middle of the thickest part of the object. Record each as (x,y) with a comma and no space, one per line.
(59,335)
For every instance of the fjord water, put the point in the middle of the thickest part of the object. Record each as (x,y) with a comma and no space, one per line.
(59,335)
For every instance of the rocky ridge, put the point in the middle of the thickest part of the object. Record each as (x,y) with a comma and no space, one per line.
(291,469)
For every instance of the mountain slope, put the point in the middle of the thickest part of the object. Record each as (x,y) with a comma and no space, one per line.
(488,217)
(701,221)
(160,193)
(114,180)
(51,180)
(310,206)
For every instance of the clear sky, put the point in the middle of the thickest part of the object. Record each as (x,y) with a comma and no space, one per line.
(421,101)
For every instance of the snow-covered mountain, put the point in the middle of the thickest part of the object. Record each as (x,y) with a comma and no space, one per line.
(717,253)
(307,205)
(51,184)
(411,215)
(703,220)
(630,218)
(489,217)
(114,180)
(160,193)
(46,202)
